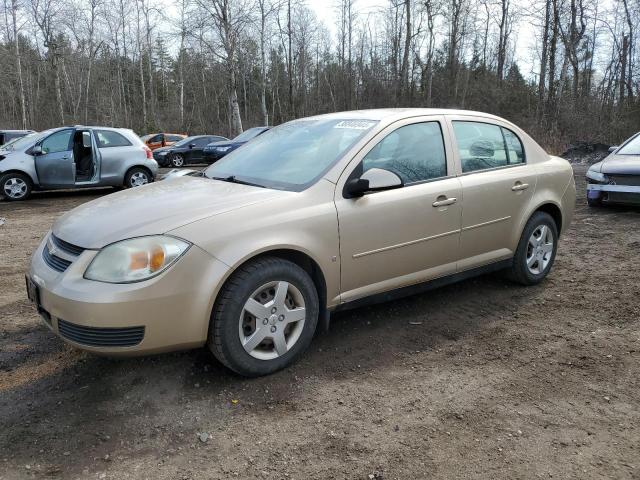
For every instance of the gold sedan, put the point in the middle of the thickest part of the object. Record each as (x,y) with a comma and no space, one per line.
(318,214)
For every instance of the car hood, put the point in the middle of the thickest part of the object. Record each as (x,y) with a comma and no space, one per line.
(154,209)
(162,149)
(619,165)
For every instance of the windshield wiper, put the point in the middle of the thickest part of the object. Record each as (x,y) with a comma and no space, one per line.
(234,179)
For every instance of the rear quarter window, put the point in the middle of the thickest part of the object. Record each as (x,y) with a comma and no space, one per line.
(109,138)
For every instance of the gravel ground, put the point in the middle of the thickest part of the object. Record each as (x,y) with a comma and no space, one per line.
(483,379)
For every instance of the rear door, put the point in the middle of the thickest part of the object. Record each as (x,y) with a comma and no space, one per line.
(55,165)
(497,185)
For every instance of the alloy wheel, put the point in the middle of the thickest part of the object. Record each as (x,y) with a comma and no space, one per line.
(540,249)
(272,320)
(15,188)
(138,179)
(177,161)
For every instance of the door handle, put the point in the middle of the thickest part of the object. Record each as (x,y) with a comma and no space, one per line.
(444,201)
(519,186)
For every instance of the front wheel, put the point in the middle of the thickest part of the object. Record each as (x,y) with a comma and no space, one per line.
(15,186)
(264,318)
(536,250)
(594,202)
(136,177)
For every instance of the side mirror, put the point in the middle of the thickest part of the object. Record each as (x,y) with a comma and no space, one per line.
(192,145)
(613,148)
(36,150)
(373,180)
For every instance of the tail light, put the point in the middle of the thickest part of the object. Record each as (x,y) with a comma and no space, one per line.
(148,152)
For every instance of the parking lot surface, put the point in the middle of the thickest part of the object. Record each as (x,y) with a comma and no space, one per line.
(483,379)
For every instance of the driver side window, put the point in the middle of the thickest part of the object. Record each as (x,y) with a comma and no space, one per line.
(414,152)
(58,142)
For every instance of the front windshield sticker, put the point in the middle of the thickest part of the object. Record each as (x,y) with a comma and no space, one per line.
(355,124)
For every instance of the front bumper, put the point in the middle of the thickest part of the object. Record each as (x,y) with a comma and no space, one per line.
(614,193)
(167,312)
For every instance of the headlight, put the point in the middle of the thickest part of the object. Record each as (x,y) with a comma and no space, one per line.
(162,154)
(135,259)
(596,176)
(223,149)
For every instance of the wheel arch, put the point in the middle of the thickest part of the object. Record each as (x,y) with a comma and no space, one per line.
(298,257)
(553,210)
(34,182)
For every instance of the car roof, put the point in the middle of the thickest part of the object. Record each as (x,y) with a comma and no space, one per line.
(392,114)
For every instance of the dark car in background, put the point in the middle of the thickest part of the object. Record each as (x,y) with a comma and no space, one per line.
(7,135)
(616,179)
(217,150)
(189,150)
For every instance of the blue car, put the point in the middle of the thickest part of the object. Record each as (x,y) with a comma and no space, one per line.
(215,151)
(616,179)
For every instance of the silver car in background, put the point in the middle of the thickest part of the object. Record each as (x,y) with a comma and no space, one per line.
(74,157)
(616,179)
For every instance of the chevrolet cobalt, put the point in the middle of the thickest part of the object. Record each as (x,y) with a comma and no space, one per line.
(315,215)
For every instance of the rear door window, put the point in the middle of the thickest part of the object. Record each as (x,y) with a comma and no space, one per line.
(483,146)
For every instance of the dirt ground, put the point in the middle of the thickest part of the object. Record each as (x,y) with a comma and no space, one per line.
(483,379)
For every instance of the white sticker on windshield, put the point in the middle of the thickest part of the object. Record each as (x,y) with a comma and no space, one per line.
(355,124)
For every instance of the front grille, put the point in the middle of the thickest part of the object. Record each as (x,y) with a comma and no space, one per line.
(632,180)
(55,262)
(66,246)
(101,337)
(623,197)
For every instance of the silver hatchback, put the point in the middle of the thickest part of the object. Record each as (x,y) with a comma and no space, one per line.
(74,157)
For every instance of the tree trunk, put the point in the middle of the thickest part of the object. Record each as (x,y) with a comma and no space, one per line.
(236,119)
(23,103)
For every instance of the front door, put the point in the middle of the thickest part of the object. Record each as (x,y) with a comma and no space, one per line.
(404,236)
(497,185)
(55,164)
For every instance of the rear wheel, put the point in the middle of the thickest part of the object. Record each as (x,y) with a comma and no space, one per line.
(136,177)
(536,250)
(177,160)
(15,186)
(264,318)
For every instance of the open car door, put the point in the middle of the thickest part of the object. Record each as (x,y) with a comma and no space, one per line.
(54,160)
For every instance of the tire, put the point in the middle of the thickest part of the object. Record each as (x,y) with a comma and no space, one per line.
(594,202)
(137,177)
(531,274)
(232,326)
(177,160)
(15,186)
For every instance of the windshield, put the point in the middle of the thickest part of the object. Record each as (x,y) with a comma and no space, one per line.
(293,155)
(248,134)
(632,147)
(184,142)
(24,142)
